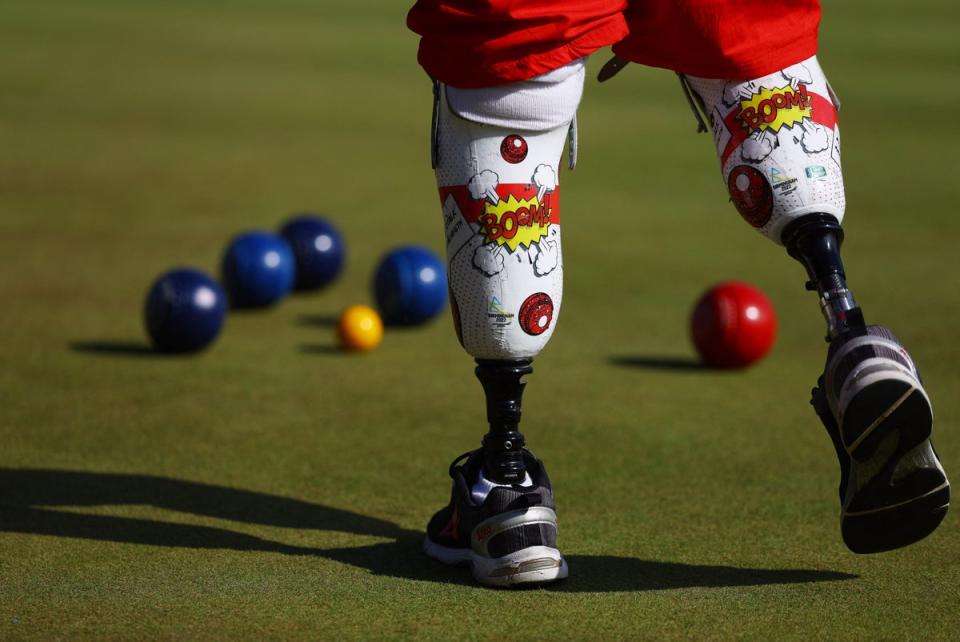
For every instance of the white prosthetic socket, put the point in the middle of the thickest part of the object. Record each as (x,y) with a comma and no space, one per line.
(779,144)
(497,154)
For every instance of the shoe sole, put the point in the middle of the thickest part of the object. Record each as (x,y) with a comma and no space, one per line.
(908,496)
(890,403)
(528,566)
(896,526)
(907,493)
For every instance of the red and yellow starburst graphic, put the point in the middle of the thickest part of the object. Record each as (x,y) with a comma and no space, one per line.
(516,223)
(775,108)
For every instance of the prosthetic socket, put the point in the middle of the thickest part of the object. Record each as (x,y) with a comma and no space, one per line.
(778,141)
(498,176)
(497,160)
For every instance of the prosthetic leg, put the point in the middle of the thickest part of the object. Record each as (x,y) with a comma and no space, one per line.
(779,146)
(496,153)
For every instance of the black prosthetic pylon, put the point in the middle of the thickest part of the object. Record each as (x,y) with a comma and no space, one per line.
(814,240)
(503,445)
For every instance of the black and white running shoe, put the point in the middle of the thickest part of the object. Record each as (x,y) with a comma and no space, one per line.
(893,490)
(506,534)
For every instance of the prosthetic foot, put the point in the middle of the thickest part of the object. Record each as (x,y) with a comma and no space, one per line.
(894,491)
(778,141)
(501,519)
(507,535)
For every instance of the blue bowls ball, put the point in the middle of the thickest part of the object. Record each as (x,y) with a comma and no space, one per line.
(318,250)
(410,286)
(257,269)
(184,311)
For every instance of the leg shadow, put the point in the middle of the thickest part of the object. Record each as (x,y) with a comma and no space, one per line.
(403,558)
(602,573)
(42,521)
(28,498)
(588,573)
(31,488)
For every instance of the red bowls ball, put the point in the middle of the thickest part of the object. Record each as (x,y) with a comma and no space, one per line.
(733,325)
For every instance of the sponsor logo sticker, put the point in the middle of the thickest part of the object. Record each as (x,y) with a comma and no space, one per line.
(781,181)
(498,316)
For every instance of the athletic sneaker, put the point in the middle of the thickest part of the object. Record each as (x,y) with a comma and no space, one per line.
(893,490)
(507,534)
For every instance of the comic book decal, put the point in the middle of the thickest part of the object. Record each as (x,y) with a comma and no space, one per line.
(514,149)
(547,258)
(778,141)
(536,313)
(755,122)
(483,187)
(758,110)
(488,259)
(516,223)
(835,147)
(516,220)
(751,195)
(773,108)
(535,202)
(500,199)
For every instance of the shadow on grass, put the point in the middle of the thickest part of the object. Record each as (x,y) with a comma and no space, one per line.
(601,573)
(321,348)
(319,320)
(588,573)
(28,498)
(116,348)
(657,362)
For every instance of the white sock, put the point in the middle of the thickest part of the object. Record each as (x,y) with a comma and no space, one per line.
(538,104)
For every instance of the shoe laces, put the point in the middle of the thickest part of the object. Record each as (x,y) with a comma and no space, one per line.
(456,461)
(467,454)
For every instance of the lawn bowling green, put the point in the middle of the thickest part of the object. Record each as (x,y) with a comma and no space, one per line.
(273,487)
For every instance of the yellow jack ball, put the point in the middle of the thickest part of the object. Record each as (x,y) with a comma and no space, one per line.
(360,328)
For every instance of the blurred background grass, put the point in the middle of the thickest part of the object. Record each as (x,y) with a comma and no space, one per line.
(139,135)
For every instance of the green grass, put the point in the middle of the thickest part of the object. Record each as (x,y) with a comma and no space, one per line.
(272,489)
